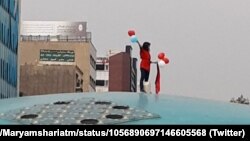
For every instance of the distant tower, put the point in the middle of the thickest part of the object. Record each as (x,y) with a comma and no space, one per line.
(122,71)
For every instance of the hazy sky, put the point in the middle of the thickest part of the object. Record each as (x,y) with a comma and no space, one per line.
(207,41)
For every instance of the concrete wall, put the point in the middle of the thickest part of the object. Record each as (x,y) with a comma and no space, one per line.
(47,79)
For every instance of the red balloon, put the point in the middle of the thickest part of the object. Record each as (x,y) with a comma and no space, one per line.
(166,60)
(161,55)
(131,32)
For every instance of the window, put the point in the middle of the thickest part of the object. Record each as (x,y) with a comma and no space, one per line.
(78,83)
(7,72)
(99,67)
(8,38)
(1,68)
(12,42)
(92,62)
(92,82)
(100,82)
(4,70)
(1,31)
(3,35)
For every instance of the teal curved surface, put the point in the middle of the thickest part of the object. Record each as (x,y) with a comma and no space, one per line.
(173,110)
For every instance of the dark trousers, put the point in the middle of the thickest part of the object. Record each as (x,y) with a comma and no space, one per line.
(144,77)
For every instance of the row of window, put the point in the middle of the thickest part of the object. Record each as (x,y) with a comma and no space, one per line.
(5,4)
(11,7)
(92,62)
(8,93)
(8,73)
(9,22)
(54,38)
(9,38)
(3,96)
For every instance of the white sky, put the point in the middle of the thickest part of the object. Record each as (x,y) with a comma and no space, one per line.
(207,41)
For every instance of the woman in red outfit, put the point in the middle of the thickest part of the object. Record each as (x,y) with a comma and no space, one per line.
(145,63)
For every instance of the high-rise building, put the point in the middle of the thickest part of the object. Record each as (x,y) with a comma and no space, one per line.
(123,71)
(9,33)
(59,43)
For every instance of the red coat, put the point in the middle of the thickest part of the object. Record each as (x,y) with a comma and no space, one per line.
(145,59)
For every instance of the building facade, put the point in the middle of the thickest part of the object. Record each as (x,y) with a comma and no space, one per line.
(59,43)
(102,74)
(50,79)
(123,71)
(9,33)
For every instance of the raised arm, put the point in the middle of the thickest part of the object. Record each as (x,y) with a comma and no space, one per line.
(139,44)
